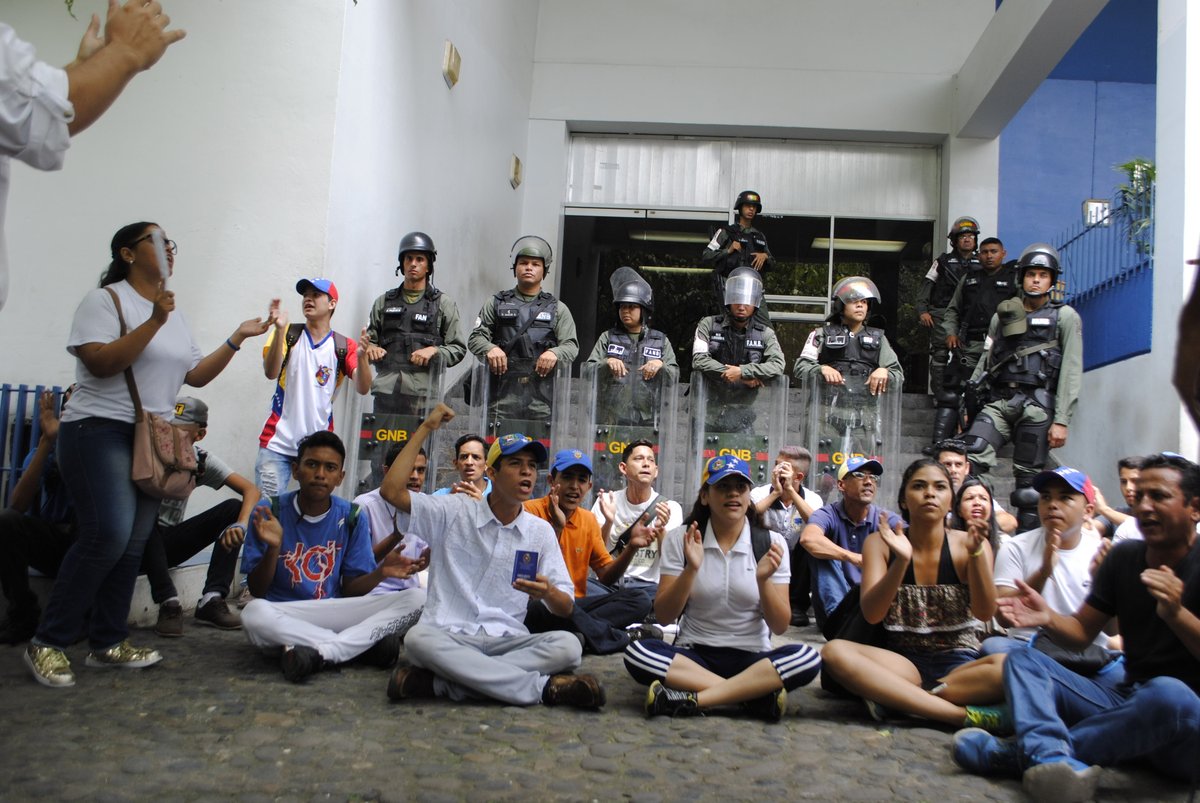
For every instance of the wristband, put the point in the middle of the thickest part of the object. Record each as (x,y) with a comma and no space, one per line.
(976,553)
(229,343)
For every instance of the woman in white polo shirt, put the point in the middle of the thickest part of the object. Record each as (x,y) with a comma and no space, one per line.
(730,574)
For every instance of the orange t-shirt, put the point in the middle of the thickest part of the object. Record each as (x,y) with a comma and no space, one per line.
(581,543)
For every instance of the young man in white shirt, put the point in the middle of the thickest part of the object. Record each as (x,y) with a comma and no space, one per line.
(385,534)
(489,557)
(785,505)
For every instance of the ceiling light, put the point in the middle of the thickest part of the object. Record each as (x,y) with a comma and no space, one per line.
(669,237)
(847,244)
(672,269)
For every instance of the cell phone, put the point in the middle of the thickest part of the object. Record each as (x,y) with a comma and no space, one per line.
(525,564)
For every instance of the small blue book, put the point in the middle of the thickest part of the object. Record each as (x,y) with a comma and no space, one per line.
(525,565)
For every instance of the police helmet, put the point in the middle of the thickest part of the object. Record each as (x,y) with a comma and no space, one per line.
(630,288)
(748,197)
(853,288)
(532,246)
(417,241)
(744,286)
(963,225)
(1038,255)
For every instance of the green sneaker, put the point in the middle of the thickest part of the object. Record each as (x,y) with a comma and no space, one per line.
(125,656)
(995,719)
(49,666)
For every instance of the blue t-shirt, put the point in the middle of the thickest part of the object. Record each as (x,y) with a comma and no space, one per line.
(53,503)
(833,579)
(315,555)
(486,491)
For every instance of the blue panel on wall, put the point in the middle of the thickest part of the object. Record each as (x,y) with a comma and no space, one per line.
(1117,320)
(1121,45)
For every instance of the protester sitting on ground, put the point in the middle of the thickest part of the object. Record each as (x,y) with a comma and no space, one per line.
(952,454)
(309,565)
(973,501)
(1125,525)
(637,505)
(175,540)
(1068,725)
(385,535)
(786,506)
(601,613)
(127,339)
(731,575)
(469,452)
(834,537)
(489,558)
(930,588)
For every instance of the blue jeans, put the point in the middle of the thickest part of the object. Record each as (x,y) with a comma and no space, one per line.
(272,472)
(1059,714)
(114,519)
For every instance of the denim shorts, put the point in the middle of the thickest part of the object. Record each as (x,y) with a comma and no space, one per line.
(934,666)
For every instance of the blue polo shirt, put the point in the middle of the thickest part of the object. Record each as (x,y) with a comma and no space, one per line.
(833,579)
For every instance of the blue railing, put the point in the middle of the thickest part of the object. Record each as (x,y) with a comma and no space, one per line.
(1108,268)
(20,429)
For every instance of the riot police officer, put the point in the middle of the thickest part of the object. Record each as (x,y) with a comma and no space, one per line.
(938,288)
(739,245)
(736,353)
(410,327)
(1033,367)
(523,334)
(633,353)
(964,327)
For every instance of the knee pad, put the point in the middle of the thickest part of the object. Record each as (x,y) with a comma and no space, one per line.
(1024,498)
(982,432)
(946,397)
(1031,447)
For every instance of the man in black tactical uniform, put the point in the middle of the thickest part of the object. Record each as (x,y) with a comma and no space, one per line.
(410,327)
(523,334)
(739,245)
(938,288)
(964,327)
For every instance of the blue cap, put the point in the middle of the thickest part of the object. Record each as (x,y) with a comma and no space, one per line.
(860,464)
(723,466)
(566,458)
(513,443)
(320,285)
(1072,477)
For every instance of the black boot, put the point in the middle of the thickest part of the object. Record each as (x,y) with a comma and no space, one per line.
(20,624)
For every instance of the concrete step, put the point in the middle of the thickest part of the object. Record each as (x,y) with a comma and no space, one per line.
(143,612)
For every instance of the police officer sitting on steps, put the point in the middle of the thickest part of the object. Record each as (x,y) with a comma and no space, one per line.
(411,326)
(1033,365)
(523,334)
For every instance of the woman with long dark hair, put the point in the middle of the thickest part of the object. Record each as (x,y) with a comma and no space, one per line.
(95,447)
(930,587)
(729,572)
(974,502)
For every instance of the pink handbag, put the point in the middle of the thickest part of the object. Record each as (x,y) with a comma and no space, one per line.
(164,460)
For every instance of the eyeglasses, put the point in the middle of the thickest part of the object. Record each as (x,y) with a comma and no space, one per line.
(169,245)
(863,475)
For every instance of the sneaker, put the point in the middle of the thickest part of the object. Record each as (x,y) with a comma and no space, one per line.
(244,598)
(49,666)
(800,619)
(979,752)
(770,707)
(299,662)
(170,620)
(410,683)
(577,691)
(1065,781)
(216,613)
(662,701)
(19,627)
(644,631)
(383,653)
(124,656)
(995,719)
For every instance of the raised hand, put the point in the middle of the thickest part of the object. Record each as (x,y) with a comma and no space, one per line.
(1167,590)
(693,546)
(47,418)
(269,530)
(439,415)
(1027,609)
(769,563)
(898,543)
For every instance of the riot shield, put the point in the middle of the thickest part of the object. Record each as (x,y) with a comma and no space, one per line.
(847,421)
(521,401)
(735,419)
(619,410)
(391,419)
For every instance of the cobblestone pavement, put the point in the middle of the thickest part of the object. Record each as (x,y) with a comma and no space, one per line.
(216,720)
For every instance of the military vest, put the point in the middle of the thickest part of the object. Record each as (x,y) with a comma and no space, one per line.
(753,242)
(633,352)
(524,329)
(851,356)
(1039,369)
(981,293)
(950,270)
(728,346)
(408,327)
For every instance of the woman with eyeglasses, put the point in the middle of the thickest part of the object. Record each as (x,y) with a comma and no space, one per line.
(930,587)
(95,444)
(729,572)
